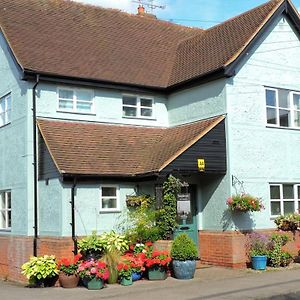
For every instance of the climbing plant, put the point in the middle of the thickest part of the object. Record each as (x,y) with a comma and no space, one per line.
(167,214)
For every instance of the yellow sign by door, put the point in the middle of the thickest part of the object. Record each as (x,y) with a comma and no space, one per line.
(201,164)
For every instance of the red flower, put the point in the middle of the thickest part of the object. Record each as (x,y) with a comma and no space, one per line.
(148,244)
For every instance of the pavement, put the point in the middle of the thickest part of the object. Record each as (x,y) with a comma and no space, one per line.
(209,283)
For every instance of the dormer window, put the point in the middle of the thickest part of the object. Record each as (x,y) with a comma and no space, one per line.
(137,107)
(75,100)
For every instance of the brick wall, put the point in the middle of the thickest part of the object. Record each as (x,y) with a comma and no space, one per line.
(228,248)
(14,251)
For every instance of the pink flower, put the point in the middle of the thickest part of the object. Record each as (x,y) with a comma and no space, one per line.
(93,271)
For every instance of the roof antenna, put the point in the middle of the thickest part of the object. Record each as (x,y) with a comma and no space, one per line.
(149,4)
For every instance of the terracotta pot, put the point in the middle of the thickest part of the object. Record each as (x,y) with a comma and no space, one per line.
(68,281)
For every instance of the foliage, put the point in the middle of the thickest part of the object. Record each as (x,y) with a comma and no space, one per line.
(183,248)
(141,248)
(112,258)
(69,266)
(93,269)
(114,241)
(244,202)
(167,214)
(40,267)
(142,225)
(290,222)
(277,257)
(124,268)
(140,200)
(158,258)
(258,244)
(92,243)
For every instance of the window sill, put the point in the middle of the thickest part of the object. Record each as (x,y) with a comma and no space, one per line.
(76,112)
(139,118)
(109,211)
(3,127)
(6,231)
(284,128)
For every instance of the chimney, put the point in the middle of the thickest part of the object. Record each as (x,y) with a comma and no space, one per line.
(141,10)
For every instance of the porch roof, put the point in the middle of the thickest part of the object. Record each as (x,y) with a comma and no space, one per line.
(93,149)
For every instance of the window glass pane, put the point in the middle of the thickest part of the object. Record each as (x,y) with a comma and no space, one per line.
(3,219)
(284,117)
(270,98)
(129,111)
(146,102)
(2,106)
(129,100)
(84,95)
(66,94)
(65,104)
(2,119)
(84,106)
(8,116)
(297,119)
(275,208)
(109,191)
(288,207)
(8,197)
(109,203)
(288,191)
(275,192)
(9,219)
(8,102)
(271,115)
(2,203)
(296,101)
(146,112)
(283,101)
(299,193)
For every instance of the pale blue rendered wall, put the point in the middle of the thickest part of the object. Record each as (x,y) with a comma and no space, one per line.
(108,107)
(14,149)
(258,154)
(197,103)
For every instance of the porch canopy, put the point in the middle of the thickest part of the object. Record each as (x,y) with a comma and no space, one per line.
(85,149)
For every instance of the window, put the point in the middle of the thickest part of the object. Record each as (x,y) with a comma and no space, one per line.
(137,107)
(5,110)
(109,198)
(78,101)
(283,108)
(285,198)
(5,209)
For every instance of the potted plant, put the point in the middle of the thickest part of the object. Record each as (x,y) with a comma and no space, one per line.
(244,202)
(93,273)
(258,246)
(157,265)
(125,272)
(112,258)
(41,271)
(184,254)
(92,247)
(68,276)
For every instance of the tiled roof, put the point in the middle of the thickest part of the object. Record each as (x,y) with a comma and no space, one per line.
(60,37)
(98,149)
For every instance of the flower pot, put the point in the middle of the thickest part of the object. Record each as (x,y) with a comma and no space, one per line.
(45,282)
(259,262)
(184,269)
(68,281)
(93,284)
(157,273)
(126,281)
(136,276)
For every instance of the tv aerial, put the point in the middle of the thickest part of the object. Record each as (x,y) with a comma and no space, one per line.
(149,4)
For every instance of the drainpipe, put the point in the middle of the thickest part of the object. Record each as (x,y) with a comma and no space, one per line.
(35,170)
(73,215)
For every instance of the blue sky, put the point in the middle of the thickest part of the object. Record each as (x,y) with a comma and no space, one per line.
(210,12)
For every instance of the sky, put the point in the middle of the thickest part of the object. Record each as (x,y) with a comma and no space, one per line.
(196,13)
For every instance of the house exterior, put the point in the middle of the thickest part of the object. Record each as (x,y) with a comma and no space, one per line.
(97,105)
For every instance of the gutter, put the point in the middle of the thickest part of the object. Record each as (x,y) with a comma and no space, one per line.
(35,167)
(73,215)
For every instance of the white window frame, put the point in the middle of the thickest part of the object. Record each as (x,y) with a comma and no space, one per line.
(115,209)
(139,107)
(74,100)
(5,210)
(296,198)
(7,111)
(293,109)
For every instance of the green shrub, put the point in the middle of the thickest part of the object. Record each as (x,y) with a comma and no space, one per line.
(114,241)
(183,248)
(92,244)
(39,268)
(289,222)
(277,257)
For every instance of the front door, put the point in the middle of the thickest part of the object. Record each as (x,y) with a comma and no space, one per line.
(189,226)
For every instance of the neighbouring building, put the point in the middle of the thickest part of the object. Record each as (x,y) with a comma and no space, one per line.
(97,104)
